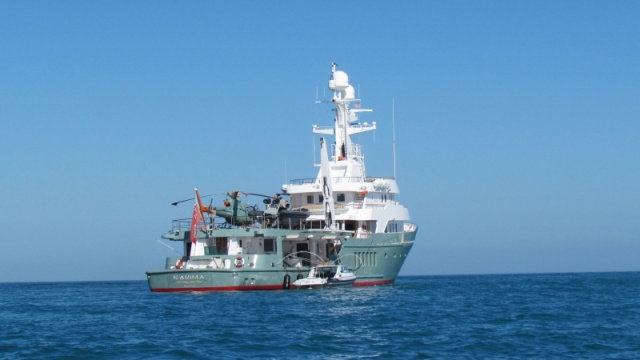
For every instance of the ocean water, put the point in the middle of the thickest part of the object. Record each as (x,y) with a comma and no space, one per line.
(594,315)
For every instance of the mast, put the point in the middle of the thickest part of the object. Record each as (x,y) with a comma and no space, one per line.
(346,160)
(327,188)
(346,124)
(393,120)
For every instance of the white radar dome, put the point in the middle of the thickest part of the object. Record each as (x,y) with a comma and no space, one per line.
(349,93)
(339,81)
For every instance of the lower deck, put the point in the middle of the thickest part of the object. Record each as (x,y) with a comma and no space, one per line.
(375,261)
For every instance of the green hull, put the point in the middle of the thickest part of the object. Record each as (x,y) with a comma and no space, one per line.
(375,261)
(220,280)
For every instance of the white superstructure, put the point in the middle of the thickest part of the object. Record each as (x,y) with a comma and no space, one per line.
(358,203)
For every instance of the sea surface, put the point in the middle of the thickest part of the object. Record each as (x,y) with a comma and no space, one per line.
(583,316)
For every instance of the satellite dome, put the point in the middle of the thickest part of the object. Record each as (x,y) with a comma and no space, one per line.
(349,93)
(339,81)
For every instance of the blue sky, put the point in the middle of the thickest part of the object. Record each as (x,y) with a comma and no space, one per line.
(517,125)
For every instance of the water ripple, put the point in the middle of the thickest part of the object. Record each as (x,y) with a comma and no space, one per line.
(500,316)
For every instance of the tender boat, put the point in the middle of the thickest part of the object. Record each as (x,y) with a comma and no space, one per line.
(326,275)
(342,216)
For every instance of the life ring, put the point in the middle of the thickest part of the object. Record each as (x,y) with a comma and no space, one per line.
(179,264)
(239,262)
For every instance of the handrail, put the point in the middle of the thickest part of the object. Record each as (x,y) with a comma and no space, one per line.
(185,224)
(346,179)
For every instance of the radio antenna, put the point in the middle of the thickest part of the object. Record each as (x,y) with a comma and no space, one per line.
(393,123)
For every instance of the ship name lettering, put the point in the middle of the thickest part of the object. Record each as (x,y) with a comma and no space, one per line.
(188,277)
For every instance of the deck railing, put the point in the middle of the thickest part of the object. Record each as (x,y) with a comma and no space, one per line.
(341,180)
